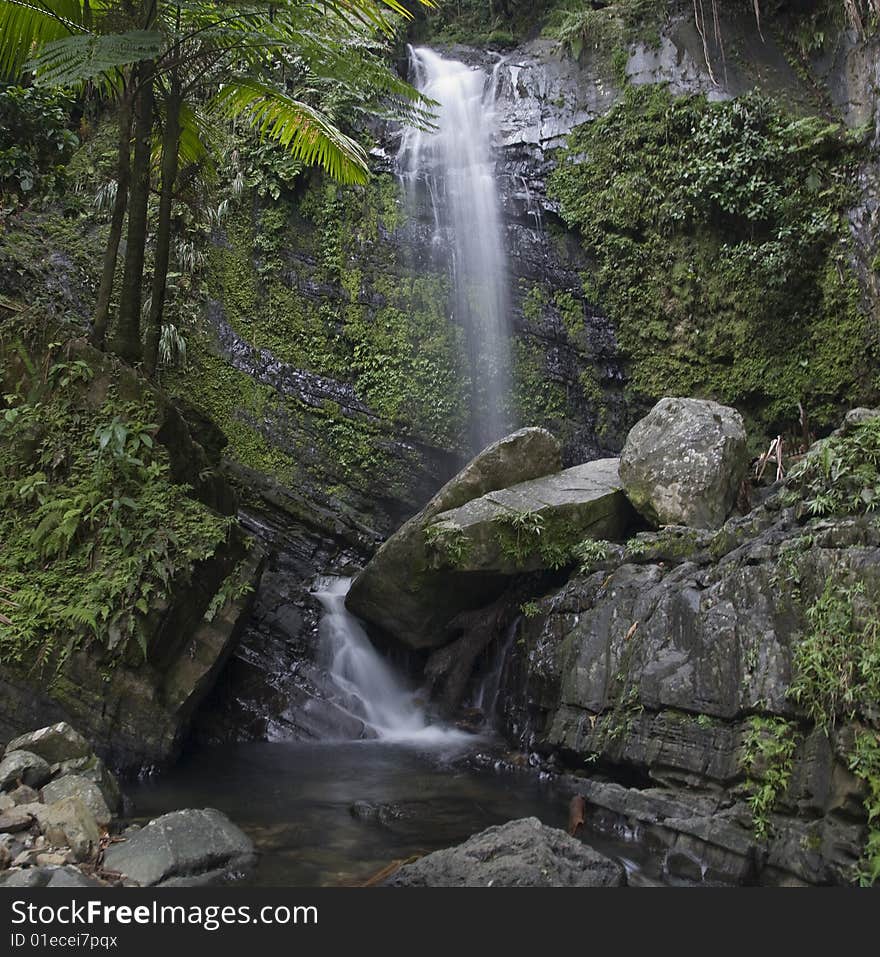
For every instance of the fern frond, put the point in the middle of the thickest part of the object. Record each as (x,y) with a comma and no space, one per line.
(72,60)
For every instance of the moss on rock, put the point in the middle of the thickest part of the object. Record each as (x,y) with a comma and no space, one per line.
(722,253)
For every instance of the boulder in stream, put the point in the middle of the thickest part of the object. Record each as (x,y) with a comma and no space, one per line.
(523,853)
(182,848)
(401,592)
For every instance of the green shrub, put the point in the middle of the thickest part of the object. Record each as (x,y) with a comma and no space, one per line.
(842,475)
(836,664)
(35,143)
(767,757)
(94,530)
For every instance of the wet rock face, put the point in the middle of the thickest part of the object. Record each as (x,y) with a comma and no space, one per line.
(524,853)
(651,665)
(275,685)
(683,463)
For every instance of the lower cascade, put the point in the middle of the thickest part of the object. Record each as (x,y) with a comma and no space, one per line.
(369,688)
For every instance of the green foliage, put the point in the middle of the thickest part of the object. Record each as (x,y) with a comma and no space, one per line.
(865,764)
(94,531)
(842,475)
(721,253)
(477,22)
(836,664)
(448,542)
(536,399)
(235,586)
(172,346)
(530,609)
(580,26)
(590,552)
(72,60)
(767,758)
(35,142)
(526,535)
(519,534)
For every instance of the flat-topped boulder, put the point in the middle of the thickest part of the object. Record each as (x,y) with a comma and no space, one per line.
(54,743)
(524,853)
(195,846)
(402,590)
(534,524)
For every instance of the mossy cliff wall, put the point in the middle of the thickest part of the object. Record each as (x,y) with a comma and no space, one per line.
(326,359)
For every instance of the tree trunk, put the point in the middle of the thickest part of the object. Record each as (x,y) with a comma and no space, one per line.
(170,143)
(111,252)
(128,334)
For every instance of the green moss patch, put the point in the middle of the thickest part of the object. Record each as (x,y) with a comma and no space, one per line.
(722,253)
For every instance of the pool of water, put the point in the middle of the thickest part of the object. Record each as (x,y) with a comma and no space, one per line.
(296,802)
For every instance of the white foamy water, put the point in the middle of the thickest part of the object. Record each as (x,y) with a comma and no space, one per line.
(455,164)
(369,688)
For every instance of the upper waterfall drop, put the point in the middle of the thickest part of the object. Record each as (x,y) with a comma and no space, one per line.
(453,168)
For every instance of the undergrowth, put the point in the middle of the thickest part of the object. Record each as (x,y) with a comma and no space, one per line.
(94,531)
(842,475)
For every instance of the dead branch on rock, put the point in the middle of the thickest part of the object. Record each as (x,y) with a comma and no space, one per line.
(577,814)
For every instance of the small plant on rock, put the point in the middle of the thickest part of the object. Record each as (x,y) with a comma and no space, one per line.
(767,758)
(590,551)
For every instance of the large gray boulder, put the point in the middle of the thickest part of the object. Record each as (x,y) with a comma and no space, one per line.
(68,823)
(400,591)
(684,462)
(524,853)
(55,743)
(93,769)
(533,524)
(75,785)
(181,847)
(23,767)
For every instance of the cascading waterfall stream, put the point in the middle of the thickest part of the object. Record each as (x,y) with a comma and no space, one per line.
(369,688)
(454,166)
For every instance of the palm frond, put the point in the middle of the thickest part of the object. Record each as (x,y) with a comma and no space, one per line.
(301,129)
(74,59)
(197,140)
(25,25)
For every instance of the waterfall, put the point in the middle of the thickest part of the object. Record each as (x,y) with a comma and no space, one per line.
(368,687)
(454,167)
(488,689)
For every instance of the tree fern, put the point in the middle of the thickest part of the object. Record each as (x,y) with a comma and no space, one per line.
(25,26)
(71,60)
